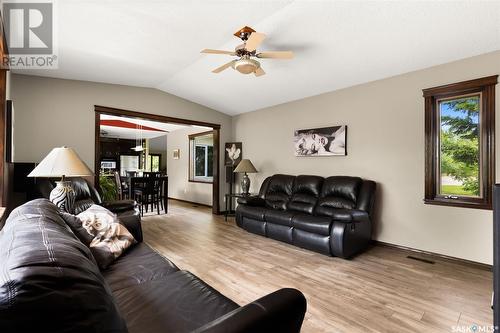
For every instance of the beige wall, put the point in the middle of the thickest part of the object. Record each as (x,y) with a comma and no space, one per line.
(385,143)
(179,187)
(55,112)
(158,145)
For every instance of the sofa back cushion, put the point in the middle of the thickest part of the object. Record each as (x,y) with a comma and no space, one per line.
(85,194)
(306,191)
(279,191)
(338,192)
(48,275)
(264,186)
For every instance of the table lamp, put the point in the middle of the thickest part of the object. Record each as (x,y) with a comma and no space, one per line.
(62,162)
(245,166)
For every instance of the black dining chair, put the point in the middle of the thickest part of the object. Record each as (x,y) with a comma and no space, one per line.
(121,188)
(147,193)
(131,174)
(151,174)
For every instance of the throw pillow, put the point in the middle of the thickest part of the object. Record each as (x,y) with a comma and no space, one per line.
(100,229)
(75,225)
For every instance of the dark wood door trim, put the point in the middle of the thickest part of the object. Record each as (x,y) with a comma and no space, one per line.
(99,109)
(150,116)
(4,166)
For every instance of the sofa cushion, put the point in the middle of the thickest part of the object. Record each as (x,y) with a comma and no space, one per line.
(279,191)
(49,277)
(314,224)
(253,212)
(337,214)
(338,192)
(306,190)
(251,200)
(279,217)
(138,265)
(82,205)
(279,232)
(179,302)
(311,241)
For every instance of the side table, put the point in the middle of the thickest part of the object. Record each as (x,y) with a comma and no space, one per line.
(229,202)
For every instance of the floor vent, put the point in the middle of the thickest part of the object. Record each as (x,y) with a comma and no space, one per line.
(427,261)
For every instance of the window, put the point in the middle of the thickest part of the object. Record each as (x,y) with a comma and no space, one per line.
(129,163)
(201,161)
(154,162)
(459,131)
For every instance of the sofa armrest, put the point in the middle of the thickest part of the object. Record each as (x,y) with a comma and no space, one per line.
(347,238)
(360,216)
(348,215)
(252,200)
(279,312)
(344,215)
(131,219)
(119,206)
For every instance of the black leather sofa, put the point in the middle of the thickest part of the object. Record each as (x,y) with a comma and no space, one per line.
(327,215)
(49,282)
(86,195)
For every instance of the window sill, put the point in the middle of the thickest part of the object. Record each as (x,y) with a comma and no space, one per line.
(201,181)
(458,203)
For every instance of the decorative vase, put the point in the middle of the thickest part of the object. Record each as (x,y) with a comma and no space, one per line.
(63,196)
(245,184)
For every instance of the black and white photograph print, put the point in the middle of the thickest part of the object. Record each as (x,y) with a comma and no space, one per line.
(233,153)
(324,141)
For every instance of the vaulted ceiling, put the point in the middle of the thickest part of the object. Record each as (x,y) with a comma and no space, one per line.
(336,44)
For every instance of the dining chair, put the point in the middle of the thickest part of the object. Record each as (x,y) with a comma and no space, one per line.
(147,193)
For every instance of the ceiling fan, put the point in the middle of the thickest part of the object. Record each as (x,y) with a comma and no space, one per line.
(246,52)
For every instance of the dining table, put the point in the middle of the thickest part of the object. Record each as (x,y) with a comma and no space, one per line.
(137,181)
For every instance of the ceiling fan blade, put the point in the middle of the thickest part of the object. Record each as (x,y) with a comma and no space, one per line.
(254,41)
(276,55)
(223,67)
(259,72)
(218,52)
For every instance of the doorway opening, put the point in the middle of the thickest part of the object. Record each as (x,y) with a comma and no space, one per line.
(184,152)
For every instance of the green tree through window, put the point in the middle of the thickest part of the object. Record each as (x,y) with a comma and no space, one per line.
(460,146)
(459,143)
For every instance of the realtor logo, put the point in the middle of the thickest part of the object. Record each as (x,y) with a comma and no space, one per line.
(28,27)
(29,31)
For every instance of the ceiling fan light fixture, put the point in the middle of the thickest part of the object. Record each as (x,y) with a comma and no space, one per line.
(246,65)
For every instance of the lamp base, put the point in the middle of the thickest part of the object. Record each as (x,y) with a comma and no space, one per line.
(63,196)
(245,184)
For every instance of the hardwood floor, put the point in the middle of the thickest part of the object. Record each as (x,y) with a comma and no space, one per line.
(378,291)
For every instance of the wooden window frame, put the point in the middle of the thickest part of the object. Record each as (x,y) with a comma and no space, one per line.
(486,88)
(191,155)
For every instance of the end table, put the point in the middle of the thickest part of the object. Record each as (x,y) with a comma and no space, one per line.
(229,202)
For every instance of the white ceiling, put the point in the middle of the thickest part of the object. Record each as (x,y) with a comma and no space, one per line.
(132,133)
(336,44)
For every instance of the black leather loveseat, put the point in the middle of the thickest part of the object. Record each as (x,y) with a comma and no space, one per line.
(50,282)
(86,195)
(327,215)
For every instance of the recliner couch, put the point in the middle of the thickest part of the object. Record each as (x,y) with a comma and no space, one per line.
(50,282)
(328,215)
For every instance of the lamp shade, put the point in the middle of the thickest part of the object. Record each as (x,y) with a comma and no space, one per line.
(245,166)
(62,161)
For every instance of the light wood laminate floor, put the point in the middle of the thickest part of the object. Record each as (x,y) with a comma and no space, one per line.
(378,291)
